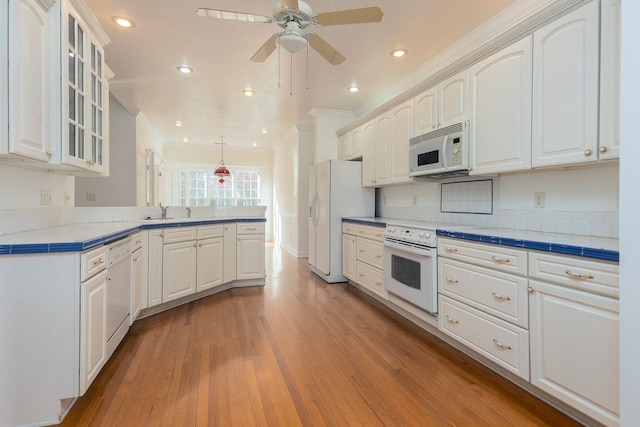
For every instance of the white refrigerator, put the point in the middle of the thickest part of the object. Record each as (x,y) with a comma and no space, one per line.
(335,192)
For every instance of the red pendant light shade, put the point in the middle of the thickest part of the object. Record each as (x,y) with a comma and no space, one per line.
(221,170)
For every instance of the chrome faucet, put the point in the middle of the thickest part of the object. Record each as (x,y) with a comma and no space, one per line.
(188,212)
(164,211)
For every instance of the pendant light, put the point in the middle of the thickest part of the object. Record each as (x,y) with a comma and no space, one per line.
(221,170)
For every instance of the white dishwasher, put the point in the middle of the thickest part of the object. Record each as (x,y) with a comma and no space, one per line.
(118,292)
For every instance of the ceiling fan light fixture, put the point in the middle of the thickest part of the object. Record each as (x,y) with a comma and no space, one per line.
(292,43)
(399,53)
(123,22)
(248,92)
(184,69)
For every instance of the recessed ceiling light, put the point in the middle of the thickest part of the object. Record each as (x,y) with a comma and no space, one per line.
(248,92)
(185,70)
(185,139)
(254,144)
(264,131)
(353,88)
(123,22)
(179,123)
(398,53)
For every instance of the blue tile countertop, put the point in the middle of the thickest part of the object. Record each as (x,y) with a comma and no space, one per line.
(376,222)
(80,237)
(568,244)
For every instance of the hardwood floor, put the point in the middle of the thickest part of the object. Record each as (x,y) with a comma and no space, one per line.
(297,352)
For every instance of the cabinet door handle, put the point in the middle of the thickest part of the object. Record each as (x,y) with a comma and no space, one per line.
(450,280)
(451,320)
(500,260)
(501,345)
(501,297)
(530,290)
(450,249)
(603,149)
(580,276)
(108,277)
(587,153)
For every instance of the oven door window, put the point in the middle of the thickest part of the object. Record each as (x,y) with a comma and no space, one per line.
(405,271)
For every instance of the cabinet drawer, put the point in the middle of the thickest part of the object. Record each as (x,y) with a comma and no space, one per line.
(92,262)
(349,228)
(501,294)
(370,277)
(250,228)
(370,232)
(370,252)
(503,343)
(136,242)
(209,231)
(178,234)
(496,257)
(587,275)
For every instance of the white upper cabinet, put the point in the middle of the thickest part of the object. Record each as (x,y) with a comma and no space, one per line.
(85,97)
(344,146)
(609,144)
(565,89)
(401,131)
(500,110)
(443,105)
(30,64)
(350,144)
(369,154)
(383,130)
(426,111)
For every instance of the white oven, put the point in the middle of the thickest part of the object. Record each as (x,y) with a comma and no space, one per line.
(410,266)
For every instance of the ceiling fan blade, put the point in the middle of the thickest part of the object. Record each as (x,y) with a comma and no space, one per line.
(266,49)
(289,4)
(351,16)
(233,16)
(325,49)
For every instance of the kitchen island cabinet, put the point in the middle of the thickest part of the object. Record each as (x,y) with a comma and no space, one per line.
(250,251)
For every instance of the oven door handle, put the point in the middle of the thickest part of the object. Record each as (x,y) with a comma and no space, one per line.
(410,249)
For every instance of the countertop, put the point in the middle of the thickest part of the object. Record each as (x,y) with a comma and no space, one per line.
(569,244)
(79,237)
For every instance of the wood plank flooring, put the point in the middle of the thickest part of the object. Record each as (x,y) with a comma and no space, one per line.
(297,352)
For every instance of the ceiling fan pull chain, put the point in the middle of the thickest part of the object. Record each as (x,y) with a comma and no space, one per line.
(291,84)
(307,64)
(279,60)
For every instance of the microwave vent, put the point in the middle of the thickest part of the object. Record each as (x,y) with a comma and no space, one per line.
(457,127)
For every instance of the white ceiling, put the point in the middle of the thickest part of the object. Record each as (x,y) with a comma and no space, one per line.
(209,102)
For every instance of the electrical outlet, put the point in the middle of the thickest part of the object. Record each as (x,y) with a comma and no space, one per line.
(91,197)
(67,198)
(44,197)
(49,198)
(415,199)
(538,200)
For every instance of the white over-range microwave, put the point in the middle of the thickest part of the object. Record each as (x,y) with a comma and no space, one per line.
(440,153)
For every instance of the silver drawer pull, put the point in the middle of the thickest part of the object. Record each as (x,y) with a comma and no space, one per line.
(361,250)
(97,262)
(361,231)
(450,280)
(250,228)
(501,297)
(451,320)
(378,256)
(360,275)
(379,283)
(578,276)
(138,242)
(503,346)
(449,249)
(379,235)
(500,260)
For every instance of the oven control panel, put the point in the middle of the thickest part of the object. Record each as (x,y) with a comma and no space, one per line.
(413,235)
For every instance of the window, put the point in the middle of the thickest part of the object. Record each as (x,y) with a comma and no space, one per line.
(200,187)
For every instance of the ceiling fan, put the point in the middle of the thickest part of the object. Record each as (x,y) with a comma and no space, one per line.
(294,16)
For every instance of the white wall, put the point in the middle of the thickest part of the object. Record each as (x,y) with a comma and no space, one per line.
(577,201)
(21,188)
(629,223)
(202,154)
(117,188)
(305,160)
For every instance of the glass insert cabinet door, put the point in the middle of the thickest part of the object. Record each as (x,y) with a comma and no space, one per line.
(84,134)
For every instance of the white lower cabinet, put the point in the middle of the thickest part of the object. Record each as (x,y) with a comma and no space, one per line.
(499,341)
(349,256)
(575,349)
(362,256)
(154,276)
(179,262)
(230,255)
(93,328)
(136,285)
(250,262)
(551,319)
(210,264)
